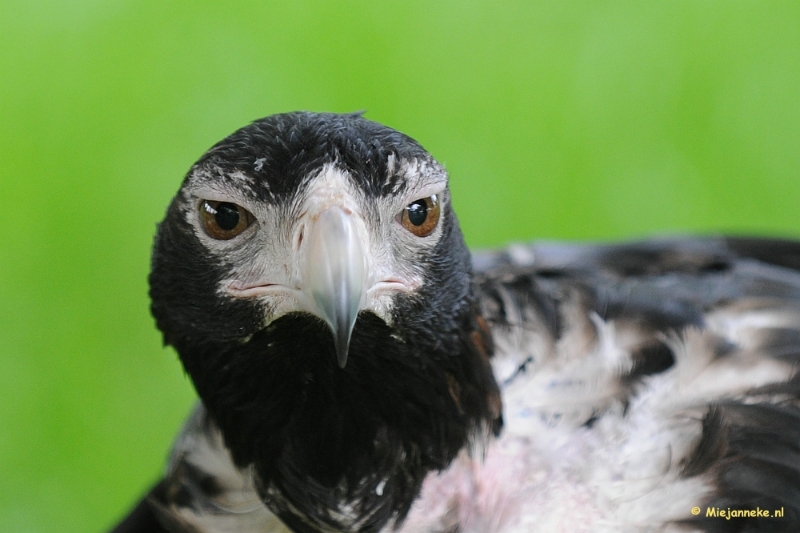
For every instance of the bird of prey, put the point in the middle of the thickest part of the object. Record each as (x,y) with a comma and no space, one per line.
(359,370)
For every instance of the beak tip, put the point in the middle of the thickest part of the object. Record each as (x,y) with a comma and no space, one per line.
(341,354)
(342,333)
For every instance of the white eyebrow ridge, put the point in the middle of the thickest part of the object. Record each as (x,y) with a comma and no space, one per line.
(423,178)
(215,184)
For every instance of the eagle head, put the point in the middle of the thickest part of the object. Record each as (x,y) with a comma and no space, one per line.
(312,276)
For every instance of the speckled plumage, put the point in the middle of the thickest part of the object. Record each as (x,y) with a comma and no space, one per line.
(551,387)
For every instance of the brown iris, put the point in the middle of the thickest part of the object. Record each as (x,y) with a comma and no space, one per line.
(421,216)
(224,220)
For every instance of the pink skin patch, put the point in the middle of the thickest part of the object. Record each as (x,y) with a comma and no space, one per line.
(501,493)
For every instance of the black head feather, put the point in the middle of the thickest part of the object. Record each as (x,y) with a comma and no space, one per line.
(319,437)
(281,150)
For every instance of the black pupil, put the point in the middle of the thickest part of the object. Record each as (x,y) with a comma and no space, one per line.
(417,212)
(227,216)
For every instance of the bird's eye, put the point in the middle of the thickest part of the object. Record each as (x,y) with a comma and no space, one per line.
(224,220)
(421,216)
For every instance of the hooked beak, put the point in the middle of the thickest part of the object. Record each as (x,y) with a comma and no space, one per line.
(335,274)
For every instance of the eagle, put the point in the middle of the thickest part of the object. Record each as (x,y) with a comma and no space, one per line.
(360,370)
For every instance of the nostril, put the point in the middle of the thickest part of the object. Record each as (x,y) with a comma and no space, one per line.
(300,237)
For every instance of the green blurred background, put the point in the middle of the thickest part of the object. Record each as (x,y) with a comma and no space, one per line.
(559,120)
